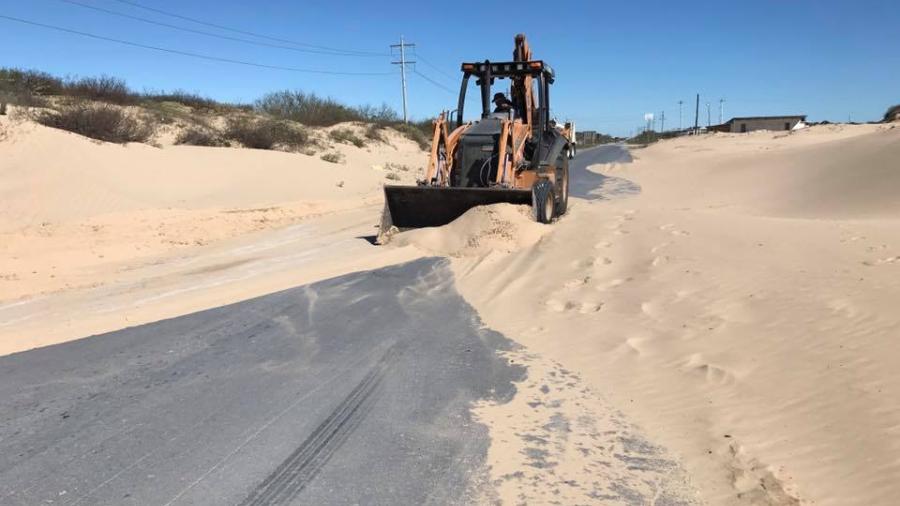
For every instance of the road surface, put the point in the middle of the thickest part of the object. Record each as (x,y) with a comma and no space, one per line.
(353,390)
(586,184)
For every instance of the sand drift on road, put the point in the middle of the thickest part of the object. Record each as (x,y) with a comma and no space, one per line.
(715,314)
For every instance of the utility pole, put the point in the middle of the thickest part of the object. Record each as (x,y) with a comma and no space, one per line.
(403,63)
(662,122)
(721,110)
(679,113)
(697,115)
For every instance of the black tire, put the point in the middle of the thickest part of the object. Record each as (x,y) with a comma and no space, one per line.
(542,201)
(562,189)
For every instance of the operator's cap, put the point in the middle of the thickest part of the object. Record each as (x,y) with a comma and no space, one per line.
(499,96)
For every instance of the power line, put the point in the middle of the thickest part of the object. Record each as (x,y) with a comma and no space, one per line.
(432,81)
(245,32)
(435,67)
(192,55)
(210,34)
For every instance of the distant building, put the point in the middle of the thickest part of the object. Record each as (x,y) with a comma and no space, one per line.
(752,123)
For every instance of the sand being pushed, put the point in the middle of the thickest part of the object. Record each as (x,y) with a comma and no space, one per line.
(481,230)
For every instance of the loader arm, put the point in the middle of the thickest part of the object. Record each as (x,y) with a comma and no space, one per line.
(442,154)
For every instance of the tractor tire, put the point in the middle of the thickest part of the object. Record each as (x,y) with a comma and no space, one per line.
(542,201)
(562,189)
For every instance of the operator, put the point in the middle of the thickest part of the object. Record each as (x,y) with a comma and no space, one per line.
(501,103)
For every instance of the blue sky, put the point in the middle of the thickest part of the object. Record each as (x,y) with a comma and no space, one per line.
(615,61)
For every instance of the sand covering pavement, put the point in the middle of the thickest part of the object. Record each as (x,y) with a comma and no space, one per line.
(95,236)
(740,310)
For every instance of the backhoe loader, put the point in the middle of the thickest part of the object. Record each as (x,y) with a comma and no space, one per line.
(515,155)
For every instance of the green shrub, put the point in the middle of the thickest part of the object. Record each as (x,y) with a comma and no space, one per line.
(201,137)
(265,133)
(346,136)
(333,157)
(98,121)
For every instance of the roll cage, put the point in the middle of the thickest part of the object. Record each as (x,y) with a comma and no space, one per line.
(522,73)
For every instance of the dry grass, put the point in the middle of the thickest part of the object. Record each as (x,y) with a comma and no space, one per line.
(333,157)
(266,133)
(310,109)
(98,121)
(346,136)
(286,110)
(418,132)
(375,132)
(196,136)
(101,89)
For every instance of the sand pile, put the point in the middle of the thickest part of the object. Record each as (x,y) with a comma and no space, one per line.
(481,231)
(741,309)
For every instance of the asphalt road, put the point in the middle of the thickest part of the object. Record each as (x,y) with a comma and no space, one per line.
(353,390)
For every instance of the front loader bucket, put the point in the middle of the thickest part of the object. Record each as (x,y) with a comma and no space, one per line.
(430,206)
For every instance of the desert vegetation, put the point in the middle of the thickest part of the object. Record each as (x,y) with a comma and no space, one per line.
(346,136)
(100,121)
(106,108)
(199,136)
(333,157)
(266,133)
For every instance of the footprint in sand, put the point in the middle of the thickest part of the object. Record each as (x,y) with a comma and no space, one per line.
(711,373)
(590,307)
(612,284)
(660,260)
(560,306)
(584,263)
(602,245)
(578,282)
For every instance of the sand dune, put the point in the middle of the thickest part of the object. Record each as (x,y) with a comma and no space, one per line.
(97,236)
(742,309)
